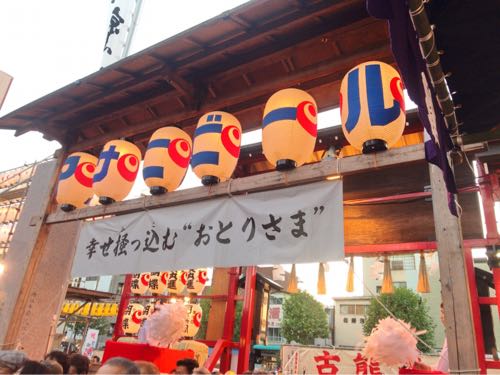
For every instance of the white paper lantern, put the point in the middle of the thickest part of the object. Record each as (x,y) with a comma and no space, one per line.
(140,283)
(195,280)
(193,319)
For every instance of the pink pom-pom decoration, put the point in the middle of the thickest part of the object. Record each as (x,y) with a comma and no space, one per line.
(392,343)
(166,326)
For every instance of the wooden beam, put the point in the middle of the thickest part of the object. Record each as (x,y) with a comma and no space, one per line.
(311,73)
(22,257)
(266,181)
(459,327)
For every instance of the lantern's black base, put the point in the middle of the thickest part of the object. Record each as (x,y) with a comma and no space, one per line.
(374,145)
(106,200)
(67,207)
(157,190)
(210,180)
(285,164)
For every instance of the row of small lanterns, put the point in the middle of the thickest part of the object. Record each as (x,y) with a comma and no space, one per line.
(372,113)
(193,281)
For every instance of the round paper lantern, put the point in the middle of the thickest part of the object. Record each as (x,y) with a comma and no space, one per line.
(140,283)
(174,283)
(75,181)
(289,128)
(167,159)
(158,282)
(216,147)
(132,318)
(372,106)
(116,171)
(194,280)
(193,320)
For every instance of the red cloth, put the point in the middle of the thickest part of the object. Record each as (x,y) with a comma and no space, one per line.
(164,358)
(415,371)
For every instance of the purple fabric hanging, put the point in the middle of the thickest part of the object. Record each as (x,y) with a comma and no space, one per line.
(406,51)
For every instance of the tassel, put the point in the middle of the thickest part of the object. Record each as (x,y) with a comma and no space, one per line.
(321,279)
(350,276)
(387,287)
(423,279)
(293,283)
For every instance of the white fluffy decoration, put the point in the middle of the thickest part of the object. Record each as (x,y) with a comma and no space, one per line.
(392,343)
(166,326)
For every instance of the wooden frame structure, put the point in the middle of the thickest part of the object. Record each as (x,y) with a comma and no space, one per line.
(234,62)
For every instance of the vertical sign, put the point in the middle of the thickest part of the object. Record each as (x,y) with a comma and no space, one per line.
(5,81)
(122,17)
(90,342)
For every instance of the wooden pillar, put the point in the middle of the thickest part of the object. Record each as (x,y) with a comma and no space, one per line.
(459,326)
(38,267)
(220,284)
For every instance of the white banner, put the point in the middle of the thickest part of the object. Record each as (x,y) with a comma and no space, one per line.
(120,21)
(293,225)
(298,359)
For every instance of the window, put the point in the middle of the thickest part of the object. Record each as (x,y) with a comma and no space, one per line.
(346,320)
(362,320)
(347,309)
(402,262)
(360,309)
(353,320)
(275,300)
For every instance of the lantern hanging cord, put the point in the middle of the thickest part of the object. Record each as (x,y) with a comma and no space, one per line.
(394,316)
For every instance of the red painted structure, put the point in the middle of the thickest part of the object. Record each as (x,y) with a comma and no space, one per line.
(222,347)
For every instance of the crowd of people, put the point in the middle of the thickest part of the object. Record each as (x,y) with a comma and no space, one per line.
(58,362)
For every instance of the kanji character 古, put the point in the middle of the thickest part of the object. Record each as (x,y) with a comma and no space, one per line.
(326,365)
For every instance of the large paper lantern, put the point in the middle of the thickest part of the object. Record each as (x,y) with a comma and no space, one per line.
(194,280)
(167,159)
(132,318)
(216,147)
(193,319)
(148,309)
(158,282)
(174,283)
(75,181)
(116,171)
(372,106)
(140,283)
(289,128)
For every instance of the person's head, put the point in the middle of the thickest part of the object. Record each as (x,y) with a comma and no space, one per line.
(34,367)
(119,365)
(96,359)
(201,370)
(53,366)
(61,358)
(11,361)
(186,366)
(146,367)
(78,364)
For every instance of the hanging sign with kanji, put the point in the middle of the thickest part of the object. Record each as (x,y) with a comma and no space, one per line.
(292,225)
